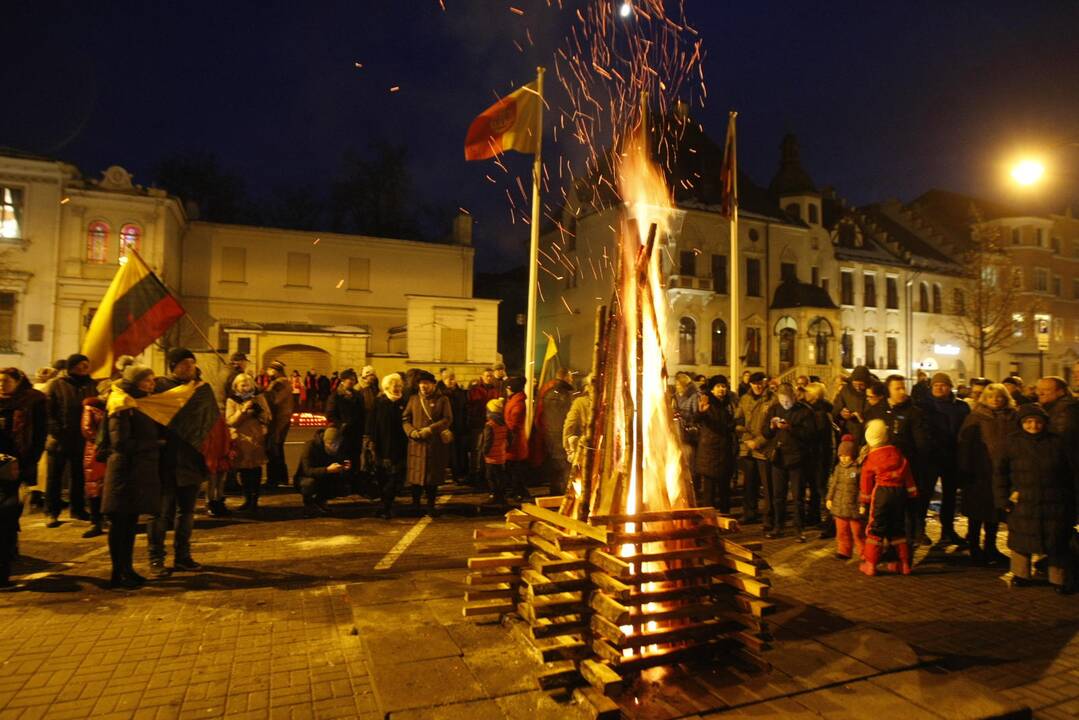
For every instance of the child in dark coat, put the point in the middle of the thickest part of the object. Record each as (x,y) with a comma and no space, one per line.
(887,488)
(842,501)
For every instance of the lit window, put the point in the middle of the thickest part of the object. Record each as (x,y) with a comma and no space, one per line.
(1017,324)
(10,212)
(130,239)
(97,242)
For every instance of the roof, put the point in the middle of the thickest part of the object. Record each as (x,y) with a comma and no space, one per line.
(791,178)
(799,294)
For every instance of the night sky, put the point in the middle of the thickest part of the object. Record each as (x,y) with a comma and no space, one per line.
(888,99)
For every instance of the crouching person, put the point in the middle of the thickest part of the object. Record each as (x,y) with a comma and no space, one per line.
(321,465)
(1033,485)
(887,487)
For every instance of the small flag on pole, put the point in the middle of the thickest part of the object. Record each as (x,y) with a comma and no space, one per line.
(550,362)
(136,310)
(509,124)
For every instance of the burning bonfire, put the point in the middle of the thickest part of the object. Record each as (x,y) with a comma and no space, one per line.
(623,573)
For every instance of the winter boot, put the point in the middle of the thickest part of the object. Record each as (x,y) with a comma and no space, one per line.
(870,558)
(903,548)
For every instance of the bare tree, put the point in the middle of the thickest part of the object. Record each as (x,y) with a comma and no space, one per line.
(986,317)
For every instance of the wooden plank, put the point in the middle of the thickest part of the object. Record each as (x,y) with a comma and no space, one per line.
(701,630)
(491,578)
(488,609)
(561,539)
(752,642)
(613,566)
(551,549)
(537,583)
(499,547)
(560,647)
(643,536)
(692,611)
(702,513)
(500,592)
(756,588)
(597,705)
(601,677)
(549,627)
(757,608)
(617,589)
(742,566)
(547,567)
(686,573)
(737,549)
(497,561)
(548,501)
(605,650)
(495,533)
(607,607)
(695,553)
(562,673)
(669,656)
(607,630)
(566,523)
(683,593)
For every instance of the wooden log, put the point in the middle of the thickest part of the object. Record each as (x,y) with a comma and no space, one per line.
(616,589)
(742,566)
(500,608)
(548,501)
(685,573)
(604,628)
(562,673)
(695,553)
(702,513)
(561,539)
(606,651)
(500,592)
(560,647)
(597,705)
(692,592)
(503,560)
(549,627)
(613,566)
(753,606)
(609,609)
(538,584)
(566,523)
(600,676)
(738,550)
(547,566)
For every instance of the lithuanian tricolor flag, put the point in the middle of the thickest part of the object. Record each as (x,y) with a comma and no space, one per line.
(136,310)
(189,411)
(509,124)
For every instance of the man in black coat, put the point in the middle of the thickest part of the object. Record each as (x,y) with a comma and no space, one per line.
(791,425)
(944,414)
(848,410)
(458,398)
(182,471)
(65,443)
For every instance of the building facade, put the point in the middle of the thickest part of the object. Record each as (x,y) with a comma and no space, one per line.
(320,301)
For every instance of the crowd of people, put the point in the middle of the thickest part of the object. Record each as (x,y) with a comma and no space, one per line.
(863,462)
(860,462)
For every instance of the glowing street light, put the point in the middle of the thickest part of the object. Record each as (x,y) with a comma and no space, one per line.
(1028,172)
(626,9)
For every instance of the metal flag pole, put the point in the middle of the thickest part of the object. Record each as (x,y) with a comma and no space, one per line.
(533,263)
(735,289)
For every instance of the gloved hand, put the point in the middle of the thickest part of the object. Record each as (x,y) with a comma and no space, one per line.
(425,433)
(828,504)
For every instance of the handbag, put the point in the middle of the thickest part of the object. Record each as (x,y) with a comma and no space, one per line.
(447,436)
(9,468)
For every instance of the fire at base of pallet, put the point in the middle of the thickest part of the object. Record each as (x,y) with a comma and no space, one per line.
(597,614)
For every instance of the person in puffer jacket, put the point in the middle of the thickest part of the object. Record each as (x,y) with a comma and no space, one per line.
(887,489)
(495,442)
(842,500)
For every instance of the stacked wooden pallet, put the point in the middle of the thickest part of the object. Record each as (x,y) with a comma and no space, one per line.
(605,599)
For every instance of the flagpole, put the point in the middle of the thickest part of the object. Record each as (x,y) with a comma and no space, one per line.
(735,289)
(533,263)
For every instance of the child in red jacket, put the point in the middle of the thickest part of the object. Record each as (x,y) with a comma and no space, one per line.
(887,487)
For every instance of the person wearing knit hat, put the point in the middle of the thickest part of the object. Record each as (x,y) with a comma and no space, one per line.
(135,373)
(65,444)
(426,421)
(944,417)
(183,471)
(849,408)
(841,499)
(887,488)
(1034,485)
(279,398)
(494,441)
(716,442)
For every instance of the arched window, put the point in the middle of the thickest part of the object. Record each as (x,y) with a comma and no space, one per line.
(97,241)
(936,298)
(959,302)
(130,239)
(814,217)
(687,341)
(719,342)
(820,331)
(923,297)
(787,331)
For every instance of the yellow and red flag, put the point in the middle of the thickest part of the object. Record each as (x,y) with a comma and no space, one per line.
(136,310)
(509,124)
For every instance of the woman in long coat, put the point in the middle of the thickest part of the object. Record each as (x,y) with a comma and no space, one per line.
(426,422)
(387,440)
(982,439)
(716,443)
(132,483)
(1034,484)
(248,416)
(22,436)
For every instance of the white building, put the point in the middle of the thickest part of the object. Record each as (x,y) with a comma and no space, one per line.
(314,300)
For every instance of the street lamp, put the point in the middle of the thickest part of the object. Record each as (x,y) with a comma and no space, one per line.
(1028,172)
(626,9)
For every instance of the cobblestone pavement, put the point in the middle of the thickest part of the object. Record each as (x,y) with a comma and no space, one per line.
(291,618)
